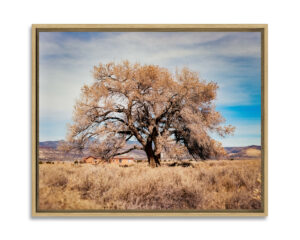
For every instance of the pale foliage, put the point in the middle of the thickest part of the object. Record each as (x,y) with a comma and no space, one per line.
(164,112)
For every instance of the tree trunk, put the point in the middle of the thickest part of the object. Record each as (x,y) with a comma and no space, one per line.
(157,159)
(153,160)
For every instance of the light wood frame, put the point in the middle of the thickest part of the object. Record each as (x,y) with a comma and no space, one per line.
(263,28)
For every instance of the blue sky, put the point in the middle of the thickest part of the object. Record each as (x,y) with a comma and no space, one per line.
(232,59)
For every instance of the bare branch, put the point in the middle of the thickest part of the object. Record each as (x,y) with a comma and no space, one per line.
(128,150)
(151,104)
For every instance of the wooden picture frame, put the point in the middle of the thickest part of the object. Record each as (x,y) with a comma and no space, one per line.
(262,28)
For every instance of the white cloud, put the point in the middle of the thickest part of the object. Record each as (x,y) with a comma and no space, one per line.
(246,133)
(66,62)
(240,141)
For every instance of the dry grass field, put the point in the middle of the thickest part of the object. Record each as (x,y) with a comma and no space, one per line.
(206,185)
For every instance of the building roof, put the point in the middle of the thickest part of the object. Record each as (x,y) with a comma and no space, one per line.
(115,157)
(122,157)
(91,157)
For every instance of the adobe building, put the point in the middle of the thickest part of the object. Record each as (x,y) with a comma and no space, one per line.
(124,160)
(121,160)
(92,160)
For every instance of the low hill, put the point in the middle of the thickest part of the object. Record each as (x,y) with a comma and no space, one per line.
(49,144)
(252,151)
(49,151)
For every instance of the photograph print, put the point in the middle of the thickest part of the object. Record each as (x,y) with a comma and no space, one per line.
(149,121)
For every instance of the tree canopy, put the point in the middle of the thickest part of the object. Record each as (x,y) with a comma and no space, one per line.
(166,113)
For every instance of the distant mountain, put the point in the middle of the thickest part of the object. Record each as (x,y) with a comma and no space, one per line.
(50,144)
(252,151)
(54,144)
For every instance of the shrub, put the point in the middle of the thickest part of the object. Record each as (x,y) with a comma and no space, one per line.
(223,185)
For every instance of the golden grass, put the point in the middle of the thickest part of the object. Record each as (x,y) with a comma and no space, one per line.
(208,185)
(253,152)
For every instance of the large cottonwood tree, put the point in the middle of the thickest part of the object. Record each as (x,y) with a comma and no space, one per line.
(164,112)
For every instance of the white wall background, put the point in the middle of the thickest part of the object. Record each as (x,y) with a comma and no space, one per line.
(284,117)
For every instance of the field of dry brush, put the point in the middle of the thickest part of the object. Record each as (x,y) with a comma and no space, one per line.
(207,185)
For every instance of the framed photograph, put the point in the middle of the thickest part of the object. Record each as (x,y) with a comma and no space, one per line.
(149,120)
